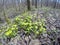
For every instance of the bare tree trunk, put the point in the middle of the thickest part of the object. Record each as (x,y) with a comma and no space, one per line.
(18,4)
(47,2)
(32,2)
(28,5)
(54,3)
(58,4)
(41,3)
(35,3)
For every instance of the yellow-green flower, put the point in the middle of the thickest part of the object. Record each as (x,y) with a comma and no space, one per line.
(8,33)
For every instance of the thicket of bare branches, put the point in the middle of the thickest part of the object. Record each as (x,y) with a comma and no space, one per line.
(10,7)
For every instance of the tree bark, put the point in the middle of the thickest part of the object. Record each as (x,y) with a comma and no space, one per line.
(28,5)
(41,3)
(35,3)
(54,3)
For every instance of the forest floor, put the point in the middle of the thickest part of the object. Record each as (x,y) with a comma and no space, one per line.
(52,37)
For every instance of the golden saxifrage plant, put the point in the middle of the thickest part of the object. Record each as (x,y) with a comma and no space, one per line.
(11,31)
(29,25)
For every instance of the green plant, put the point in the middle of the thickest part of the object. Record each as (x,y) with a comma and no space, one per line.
(29,25)
(11,31)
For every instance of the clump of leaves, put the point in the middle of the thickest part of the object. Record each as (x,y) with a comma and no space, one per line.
(11,31)
(29,25)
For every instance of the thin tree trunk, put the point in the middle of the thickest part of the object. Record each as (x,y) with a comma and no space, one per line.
(18,4)
(28,5)
(32,2)
(35,3)
(41,3)
(47,3)
(54,3)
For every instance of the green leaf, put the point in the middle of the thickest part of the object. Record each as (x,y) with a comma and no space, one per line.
(8,33)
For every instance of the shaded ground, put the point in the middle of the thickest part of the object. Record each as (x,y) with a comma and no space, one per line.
(52,37)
